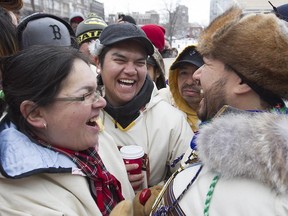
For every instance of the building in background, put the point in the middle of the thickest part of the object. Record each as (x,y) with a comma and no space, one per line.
(182,22)
(179,31)
(258,6)
(63,8)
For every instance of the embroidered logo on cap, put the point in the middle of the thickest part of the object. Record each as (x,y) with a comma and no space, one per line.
(56,32)
(88,35)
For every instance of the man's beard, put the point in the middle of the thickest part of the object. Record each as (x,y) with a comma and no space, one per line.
(214,100)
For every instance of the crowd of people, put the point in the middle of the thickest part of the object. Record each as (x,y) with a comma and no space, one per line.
(72,94)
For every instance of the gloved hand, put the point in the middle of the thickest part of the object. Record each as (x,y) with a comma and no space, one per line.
(124,208)
(143,201)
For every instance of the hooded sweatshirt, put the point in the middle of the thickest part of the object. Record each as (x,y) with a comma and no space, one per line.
(171,95)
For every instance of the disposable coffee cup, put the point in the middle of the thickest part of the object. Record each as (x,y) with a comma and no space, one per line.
(133,155)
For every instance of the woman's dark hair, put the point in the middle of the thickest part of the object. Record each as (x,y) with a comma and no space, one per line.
(35,74)
(8,43)
(8,35)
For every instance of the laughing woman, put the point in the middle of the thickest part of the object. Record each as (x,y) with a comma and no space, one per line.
(49,159)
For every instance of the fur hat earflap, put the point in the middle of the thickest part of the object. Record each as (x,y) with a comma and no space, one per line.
(255,46)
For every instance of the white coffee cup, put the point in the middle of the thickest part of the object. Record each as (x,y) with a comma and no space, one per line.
(133,154)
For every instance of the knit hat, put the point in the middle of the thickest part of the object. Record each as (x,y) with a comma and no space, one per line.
(156,34)
(255,46)
(90,28)
(281,11)
(116,33)
(76,17)
(44,29)
(188,55)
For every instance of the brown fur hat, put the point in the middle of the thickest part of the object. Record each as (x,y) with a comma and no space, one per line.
(255,46)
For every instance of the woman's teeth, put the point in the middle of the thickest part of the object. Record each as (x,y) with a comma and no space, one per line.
(92,122)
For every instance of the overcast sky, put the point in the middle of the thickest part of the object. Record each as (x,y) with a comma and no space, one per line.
(198,9)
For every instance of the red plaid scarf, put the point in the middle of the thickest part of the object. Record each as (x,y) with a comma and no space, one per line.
(106,189)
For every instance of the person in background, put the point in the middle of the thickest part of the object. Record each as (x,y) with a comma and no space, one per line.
(87,32)
(155,63)
(183,91)
(281,11)
(13,8)
(242,145)
(74,20)
(174,52)
(17,16)
(135,114)
(49,138)
(156,69)
(156,35)
(8,35)
(45,29)
(6,14)
(168,51)
(122,18)
(8,45)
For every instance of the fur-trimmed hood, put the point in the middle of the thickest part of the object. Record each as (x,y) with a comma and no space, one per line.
(250,145)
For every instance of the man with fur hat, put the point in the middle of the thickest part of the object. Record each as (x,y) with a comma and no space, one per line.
(242,145)
(183,91)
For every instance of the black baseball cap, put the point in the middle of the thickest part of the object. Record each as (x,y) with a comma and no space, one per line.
(119,32)
(189,55)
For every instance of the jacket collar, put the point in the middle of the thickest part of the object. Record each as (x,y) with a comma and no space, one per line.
(21,157)
(247,144)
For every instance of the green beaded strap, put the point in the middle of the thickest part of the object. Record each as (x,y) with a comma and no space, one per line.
(209,195)
(2,96)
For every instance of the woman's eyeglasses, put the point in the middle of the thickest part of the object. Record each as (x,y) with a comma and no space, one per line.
(88,98)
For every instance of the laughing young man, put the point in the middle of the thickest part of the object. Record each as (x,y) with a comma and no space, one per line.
(135,114)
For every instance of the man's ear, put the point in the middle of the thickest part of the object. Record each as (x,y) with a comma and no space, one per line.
(33,114)
(97,62)
(241,87)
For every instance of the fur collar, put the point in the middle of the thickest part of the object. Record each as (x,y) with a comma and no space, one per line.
(247,145)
